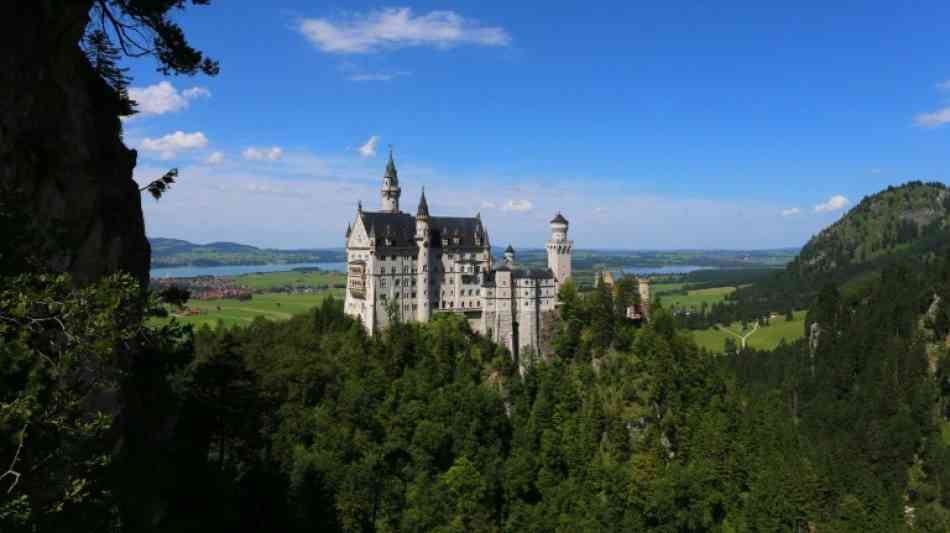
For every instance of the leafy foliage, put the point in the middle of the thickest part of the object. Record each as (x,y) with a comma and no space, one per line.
(144,28)
(65,354)
(160,186)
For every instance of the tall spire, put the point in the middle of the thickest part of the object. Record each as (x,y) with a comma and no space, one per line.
(390,192)
(391,168)
(423,210)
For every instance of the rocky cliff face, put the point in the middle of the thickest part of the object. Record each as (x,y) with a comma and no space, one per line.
(60,143)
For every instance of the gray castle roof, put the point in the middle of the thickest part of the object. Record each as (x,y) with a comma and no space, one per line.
(518,273)
(423,210)
(559,219)
(401,229)
(391,169)
(533,273)
(462,227)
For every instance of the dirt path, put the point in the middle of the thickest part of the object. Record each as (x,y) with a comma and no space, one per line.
(742,338)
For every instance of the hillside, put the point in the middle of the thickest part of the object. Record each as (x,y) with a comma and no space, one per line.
(908,223)
(177,252)
(888,223)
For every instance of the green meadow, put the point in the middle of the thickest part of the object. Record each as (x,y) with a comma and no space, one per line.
(274,306)
(695,298)
(271,280)
(765,338)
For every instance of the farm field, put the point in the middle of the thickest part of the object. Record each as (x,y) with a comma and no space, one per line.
(765,338)
(659,289)
(695,298)
(271,280)
(274,306)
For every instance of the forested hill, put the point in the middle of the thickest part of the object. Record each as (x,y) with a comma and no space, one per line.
(893,221)
(905,224)
(177,252)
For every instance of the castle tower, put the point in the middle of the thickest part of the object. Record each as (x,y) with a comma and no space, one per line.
(510,256)
(559,250)
(423,311)
(390,191)
(643,287)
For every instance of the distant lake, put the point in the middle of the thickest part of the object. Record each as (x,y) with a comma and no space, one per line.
(668,269)
(237,270)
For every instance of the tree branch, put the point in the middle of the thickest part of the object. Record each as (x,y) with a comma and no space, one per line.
(16,457)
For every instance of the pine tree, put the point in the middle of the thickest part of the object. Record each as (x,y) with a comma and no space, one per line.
(104,59)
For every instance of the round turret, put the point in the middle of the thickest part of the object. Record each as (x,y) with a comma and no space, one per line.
(509,255)
(559,249)
(391,191)
(559,227)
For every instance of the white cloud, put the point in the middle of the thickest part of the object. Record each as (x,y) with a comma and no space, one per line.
(260,154)
(196,92)
(320,192)
(489,205)
(600,210)
(518,206)
(172,143)
(259,188)
(215,158)
(369,149)
(834,203)
(791,211)
(944,85)
(397,27)
(932,120)
(375,76)
(163,98)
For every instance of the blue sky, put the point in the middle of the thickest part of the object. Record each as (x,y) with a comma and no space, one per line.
(649,125)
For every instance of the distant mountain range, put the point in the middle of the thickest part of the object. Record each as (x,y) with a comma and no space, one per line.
(177,252)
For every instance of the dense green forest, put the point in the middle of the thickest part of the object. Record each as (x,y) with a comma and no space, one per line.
(309,424)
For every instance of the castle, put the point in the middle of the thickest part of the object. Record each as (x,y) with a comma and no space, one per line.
(405,267)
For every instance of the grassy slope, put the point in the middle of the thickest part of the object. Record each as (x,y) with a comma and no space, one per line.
(696,298)
(765,338)
(275,306)
(272,280)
